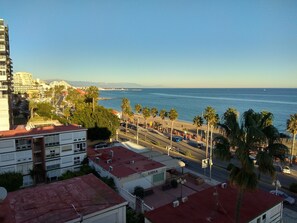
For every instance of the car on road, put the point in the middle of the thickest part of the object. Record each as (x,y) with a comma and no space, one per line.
(177,138)
(287,198)
(286,169)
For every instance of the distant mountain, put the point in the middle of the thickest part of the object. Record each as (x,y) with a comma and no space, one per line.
(103,84)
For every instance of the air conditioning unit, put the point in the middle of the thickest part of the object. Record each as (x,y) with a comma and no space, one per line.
(175,204)
(184,199)
(110,168)
(224,185)
(109,161)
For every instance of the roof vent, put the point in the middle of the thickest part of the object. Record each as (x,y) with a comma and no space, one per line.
(97,158)
(109,161)
(132,161)
(110,168)
(111,153)
(184,199)
(175,204)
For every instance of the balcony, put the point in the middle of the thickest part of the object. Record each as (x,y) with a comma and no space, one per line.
(1,28)
(3,87)
(2,37)
(2,58)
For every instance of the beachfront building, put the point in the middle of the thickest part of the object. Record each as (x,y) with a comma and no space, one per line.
(6,118)
(217,204)
(42,153)
(80,199)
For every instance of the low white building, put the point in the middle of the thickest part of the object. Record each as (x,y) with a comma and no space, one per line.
(127,168)
(45,152)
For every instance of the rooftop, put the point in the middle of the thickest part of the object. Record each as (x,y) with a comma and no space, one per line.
(59,201)
(22,131)
(202,207)
(123,161)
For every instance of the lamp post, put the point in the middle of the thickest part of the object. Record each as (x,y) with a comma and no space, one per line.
(181,181)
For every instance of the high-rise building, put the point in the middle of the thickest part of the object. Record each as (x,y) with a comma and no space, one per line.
(6,89)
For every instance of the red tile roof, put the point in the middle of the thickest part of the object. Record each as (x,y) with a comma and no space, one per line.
(53,202)
(124,161)
(201,207)
(18,132)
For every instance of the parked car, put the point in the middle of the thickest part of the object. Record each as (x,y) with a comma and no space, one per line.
(286,169)
(287,198)
(177,138)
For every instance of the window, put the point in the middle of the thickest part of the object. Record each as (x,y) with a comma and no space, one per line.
(7,157)
(76,160)
(80,147)
(66,148)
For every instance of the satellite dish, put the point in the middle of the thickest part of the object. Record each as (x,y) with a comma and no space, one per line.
(3,194)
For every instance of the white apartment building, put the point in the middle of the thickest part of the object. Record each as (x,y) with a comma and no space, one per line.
(5,79)
(44,152)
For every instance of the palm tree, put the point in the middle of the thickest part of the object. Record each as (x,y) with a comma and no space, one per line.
(198,121)
(126,110)
(138,108)
(154,112)
(248,135)
(172,116)
(292,128)
(163,115)
(146,112)
(210,117)
(93,93)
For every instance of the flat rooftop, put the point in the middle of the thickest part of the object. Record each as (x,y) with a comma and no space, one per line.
(22,131)
(124,162)
(216,205)
(56,202)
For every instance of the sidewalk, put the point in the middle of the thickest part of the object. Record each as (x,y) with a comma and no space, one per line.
(211,182)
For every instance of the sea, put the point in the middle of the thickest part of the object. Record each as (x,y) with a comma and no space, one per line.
(189,102)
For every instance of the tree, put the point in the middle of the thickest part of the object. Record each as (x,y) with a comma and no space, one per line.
(154,112)
(172,116)
(198,121)
(32,107)
(292,128)
(146,114)
(93,94)
(138,108)
(126,110)
(210,117)
(11,181)
(74,97)
(245,136)
(163,115)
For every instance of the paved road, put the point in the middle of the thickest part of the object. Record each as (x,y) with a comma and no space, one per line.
(159,142)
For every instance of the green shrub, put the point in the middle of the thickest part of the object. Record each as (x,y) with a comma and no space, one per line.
(139,192)
(11,181)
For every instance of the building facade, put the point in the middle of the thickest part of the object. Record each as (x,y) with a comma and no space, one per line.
(6,119)
(42,154)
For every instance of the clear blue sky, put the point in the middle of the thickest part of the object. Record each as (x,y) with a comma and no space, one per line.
(156,42)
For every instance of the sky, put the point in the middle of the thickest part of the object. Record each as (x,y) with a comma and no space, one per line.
(164,43)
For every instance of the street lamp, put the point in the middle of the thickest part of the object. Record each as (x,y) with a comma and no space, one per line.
(137,131)
(181,181)
(277,184)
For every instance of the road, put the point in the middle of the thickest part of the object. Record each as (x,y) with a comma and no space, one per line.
(193,155)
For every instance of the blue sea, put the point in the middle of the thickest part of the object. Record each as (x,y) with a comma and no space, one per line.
(190,102)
